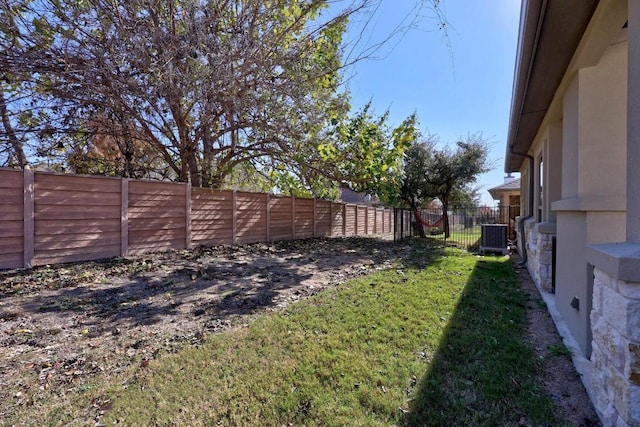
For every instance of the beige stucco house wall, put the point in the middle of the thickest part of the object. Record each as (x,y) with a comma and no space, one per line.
(508,197)
(508,193)
(574,129)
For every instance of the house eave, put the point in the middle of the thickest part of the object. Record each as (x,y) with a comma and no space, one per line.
(550,31)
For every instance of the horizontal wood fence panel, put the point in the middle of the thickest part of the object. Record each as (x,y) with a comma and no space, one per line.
(12,259)
(337,219)
(156,188)
(323,218)
(361,220)
(255,234)
(57,256)
(60,182)
(251,217)
(87,226)
(49,244)
(152,245)
(112,237)
(281,218)
(97,200)
(350,220)
(160,210)
(63,204)
(156,223)
(304,210)
(11,179)
(49,217)
(13,212)
(11,218)
(8,245)
(211,217)
(11,229)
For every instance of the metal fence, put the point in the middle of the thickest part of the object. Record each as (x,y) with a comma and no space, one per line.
(465,225)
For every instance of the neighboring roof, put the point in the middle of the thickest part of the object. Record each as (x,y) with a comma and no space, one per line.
(347,195)
(513,185)
(550,31)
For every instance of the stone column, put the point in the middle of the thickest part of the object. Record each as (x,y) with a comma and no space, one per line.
(615,317)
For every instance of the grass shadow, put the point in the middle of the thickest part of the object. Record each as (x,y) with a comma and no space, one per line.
(482,372)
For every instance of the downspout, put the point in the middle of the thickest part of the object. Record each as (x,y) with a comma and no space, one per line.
(543,8)
(531,199)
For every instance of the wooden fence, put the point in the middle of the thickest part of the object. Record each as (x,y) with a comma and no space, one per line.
(48,218)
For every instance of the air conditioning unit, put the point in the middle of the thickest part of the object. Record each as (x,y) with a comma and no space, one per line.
(493,238)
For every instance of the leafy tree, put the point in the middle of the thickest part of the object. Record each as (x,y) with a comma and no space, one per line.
(443,173)
(465,197)
(365,153)
(209,86)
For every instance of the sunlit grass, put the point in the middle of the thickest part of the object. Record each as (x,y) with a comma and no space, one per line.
(434,342)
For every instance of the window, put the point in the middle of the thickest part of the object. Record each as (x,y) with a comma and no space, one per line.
(540,188)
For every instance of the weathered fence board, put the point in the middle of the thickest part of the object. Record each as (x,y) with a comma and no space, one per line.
(304,218)
(11,218)
(50,218)
(63,204)
(251,217)
(323,218)
(211,217)
(350,227)
(281,217)
(156,223)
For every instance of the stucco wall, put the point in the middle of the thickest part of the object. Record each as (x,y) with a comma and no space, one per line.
(593,181)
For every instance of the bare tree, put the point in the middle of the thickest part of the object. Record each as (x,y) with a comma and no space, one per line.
(206,84)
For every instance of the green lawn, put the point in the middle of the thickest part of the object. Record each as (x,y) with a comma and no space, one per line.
(434,341)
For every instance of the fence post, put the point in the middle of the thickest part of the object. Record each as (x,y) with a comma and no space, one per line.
(28,217)
(293,217)
(187,214)
(268,218)
(234,217)
(124,217)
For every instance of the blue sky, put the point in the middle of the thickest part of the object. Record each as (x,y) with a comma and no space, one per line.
(458,85)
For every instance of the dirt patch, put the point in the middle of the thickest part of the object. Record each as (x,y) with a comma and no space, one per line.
(561,380)
(67,329)
(64,328)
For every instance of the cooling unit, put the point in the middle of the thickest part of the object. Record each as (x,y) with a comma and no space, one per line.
(493,238)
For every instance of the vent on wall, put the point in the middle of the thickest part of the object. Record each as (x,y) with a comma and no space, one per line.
(494,238)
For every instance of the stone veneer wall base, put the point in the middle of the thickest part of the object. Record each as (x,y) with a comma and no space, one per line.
(615,320)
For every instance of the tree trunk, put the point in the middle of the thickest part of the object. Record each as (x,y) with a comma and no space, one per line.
(417,224)
(445,218)
(16,144)
(194,174)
